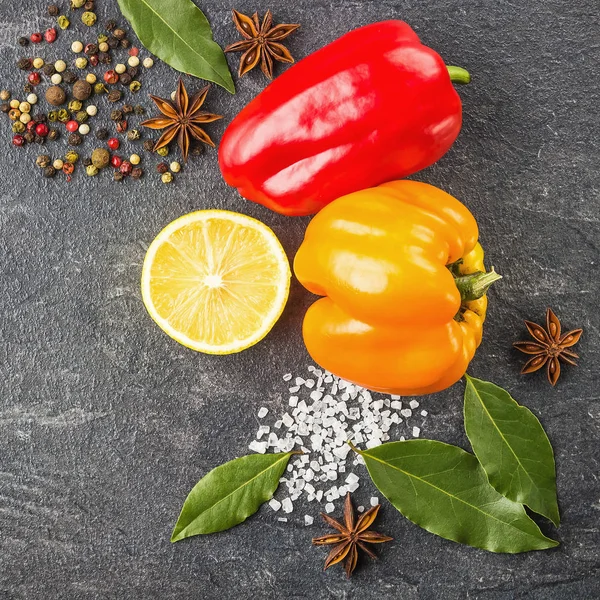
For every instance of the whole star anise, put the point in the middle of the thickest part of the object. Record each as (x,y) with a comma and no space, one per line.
(352,535)
(182,119)
(550,347)
(261,42)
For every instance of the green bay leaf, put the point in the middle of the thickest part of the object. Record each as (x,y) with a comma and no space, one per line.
(445,490)
(179,34)
(512,447)
(229,494)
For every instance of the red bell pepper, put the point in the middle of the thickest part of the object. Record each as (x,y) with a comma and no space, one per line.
(373,106)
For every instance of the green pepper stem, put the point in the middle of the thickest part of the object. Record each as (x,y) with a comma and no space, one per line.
(458,74)
(474,286)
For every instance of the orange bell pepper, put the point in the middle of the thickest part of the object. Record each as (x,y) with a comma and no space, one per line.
(403,285)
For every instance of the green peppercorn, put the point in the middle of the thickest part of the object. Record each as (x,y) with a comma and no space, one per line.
(81,62)
(18,127)
(63,22)
(75,105)
(64,115)
(49,171)
(71,157)
(164,151)
(133,134)
(100,158)
(100,88)
(135,86)
(89,18)
(77,3)
(42,161)
(91,171)
(81,116)
(102,38)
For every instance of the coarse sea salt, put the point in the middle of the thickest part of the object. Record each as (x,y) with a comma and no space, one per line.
(321,414)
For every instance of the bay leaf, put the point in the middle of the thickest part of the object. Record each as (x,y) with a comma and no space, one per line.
(229,494)
(179,34)
(445,490)
(512,447)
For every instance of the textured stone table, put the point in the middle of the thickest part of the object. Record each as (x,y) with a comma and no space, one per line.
(105,423)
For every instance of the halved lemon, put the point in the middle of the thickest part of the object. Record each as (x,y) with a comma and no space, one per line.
(216,281)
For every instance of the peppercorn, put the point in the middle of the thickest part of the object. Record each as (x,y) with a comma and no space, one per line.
(42,129)
(68,168)
(72,126)
(100,88)
(90,49)
(63,22)
(42,161)
(49,171)
(91,110)
(87,161)
(135,86)
(71,156)
(122,126)
(116,161)
(94,60)
(23,41)
(81,62)
(125,79)
(48,70)
(111,77)
(14,114)
(25,64)
(18,127)
(102,45)
(63,115)
(25,118)
(119,33)
(40,118)
(89,5)
(133,71)
(113,143)
(58,164)
(29,137)
(102,39)
(118,176)
(102,134)
(5,107)
(120,68)
(137,172)
(133,135)
(38,63)
(110,25)
(166,177)
(135,159)
(4,95)
(25,107)
(126,167)
(114,96)
(164,151)
(75,105)
(139,109)
(116,115)
(53,10)
(104,58)
(74,139)
(50,35)
(70,77)
(197,150)
(89,18)
(38,139)
(125,43)
(28,88)
(77,3)
(91,170)
(36,38)
(34,78)
(100,158)
(82,90)
(53,134)
(162,167)
(113,43)
(81,116)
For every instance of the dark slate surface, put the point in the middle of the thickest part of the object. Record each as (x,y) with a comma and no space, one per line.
(105,423)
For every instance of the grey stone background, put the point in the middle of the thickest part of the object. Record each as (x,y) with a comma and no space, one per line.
(105,423)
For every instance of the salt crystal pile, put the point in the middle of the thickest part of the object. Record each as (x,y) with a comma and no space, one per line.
(324,413)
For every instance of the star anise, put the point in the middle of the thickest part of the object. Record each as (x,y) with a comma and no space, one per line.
(550,347)
(352,535)
(182,119)
(261,42)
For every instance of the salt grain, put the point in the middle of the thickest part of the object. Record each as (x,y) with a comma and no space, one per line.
(374,501)
(329,507)
(275,504)
(263,412)
(308,520)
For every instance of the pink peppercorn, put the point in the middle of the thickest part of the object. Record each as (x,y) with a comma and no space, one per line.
(134,51)
(36,38)
(111,77)
(34,78)
(50,35)
(94,60)
(116,161)
(126,167)
(72,126)
(113,143)
(42,129)
(18,140)
(31,125)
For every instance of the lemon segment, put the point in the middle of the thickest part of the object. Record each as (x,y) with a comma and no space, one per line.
(216,281)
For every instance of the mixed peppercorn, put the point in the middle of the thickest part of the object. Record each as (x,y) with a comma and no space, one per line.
(72,95)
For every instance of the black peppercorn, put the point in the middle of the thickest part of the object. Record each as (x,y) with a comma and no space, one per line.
(102,134)
(139,109)
(49,70)
(118,176)
(28,88)
(126,109)
(69,77)
(113,43)
(5,107)
(53,10)
(114,96)
(38,139)
(110,25)
(116,115)
(49,171)
(42,161)
(23,41)
(137,172)
(162,167)
(104,58)
(89,5)
(197,150)
(90,49)
(125,43)
(133,71)
(53,134)
(74,139)
(87,161)
(149,145)
(119,33)
(25,64)
(29,137)
(40,118)
(125,79)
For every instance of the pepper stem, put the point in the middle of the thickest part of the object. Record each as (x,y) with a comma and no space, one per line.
(474,286)
(458,74)
(354,448)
